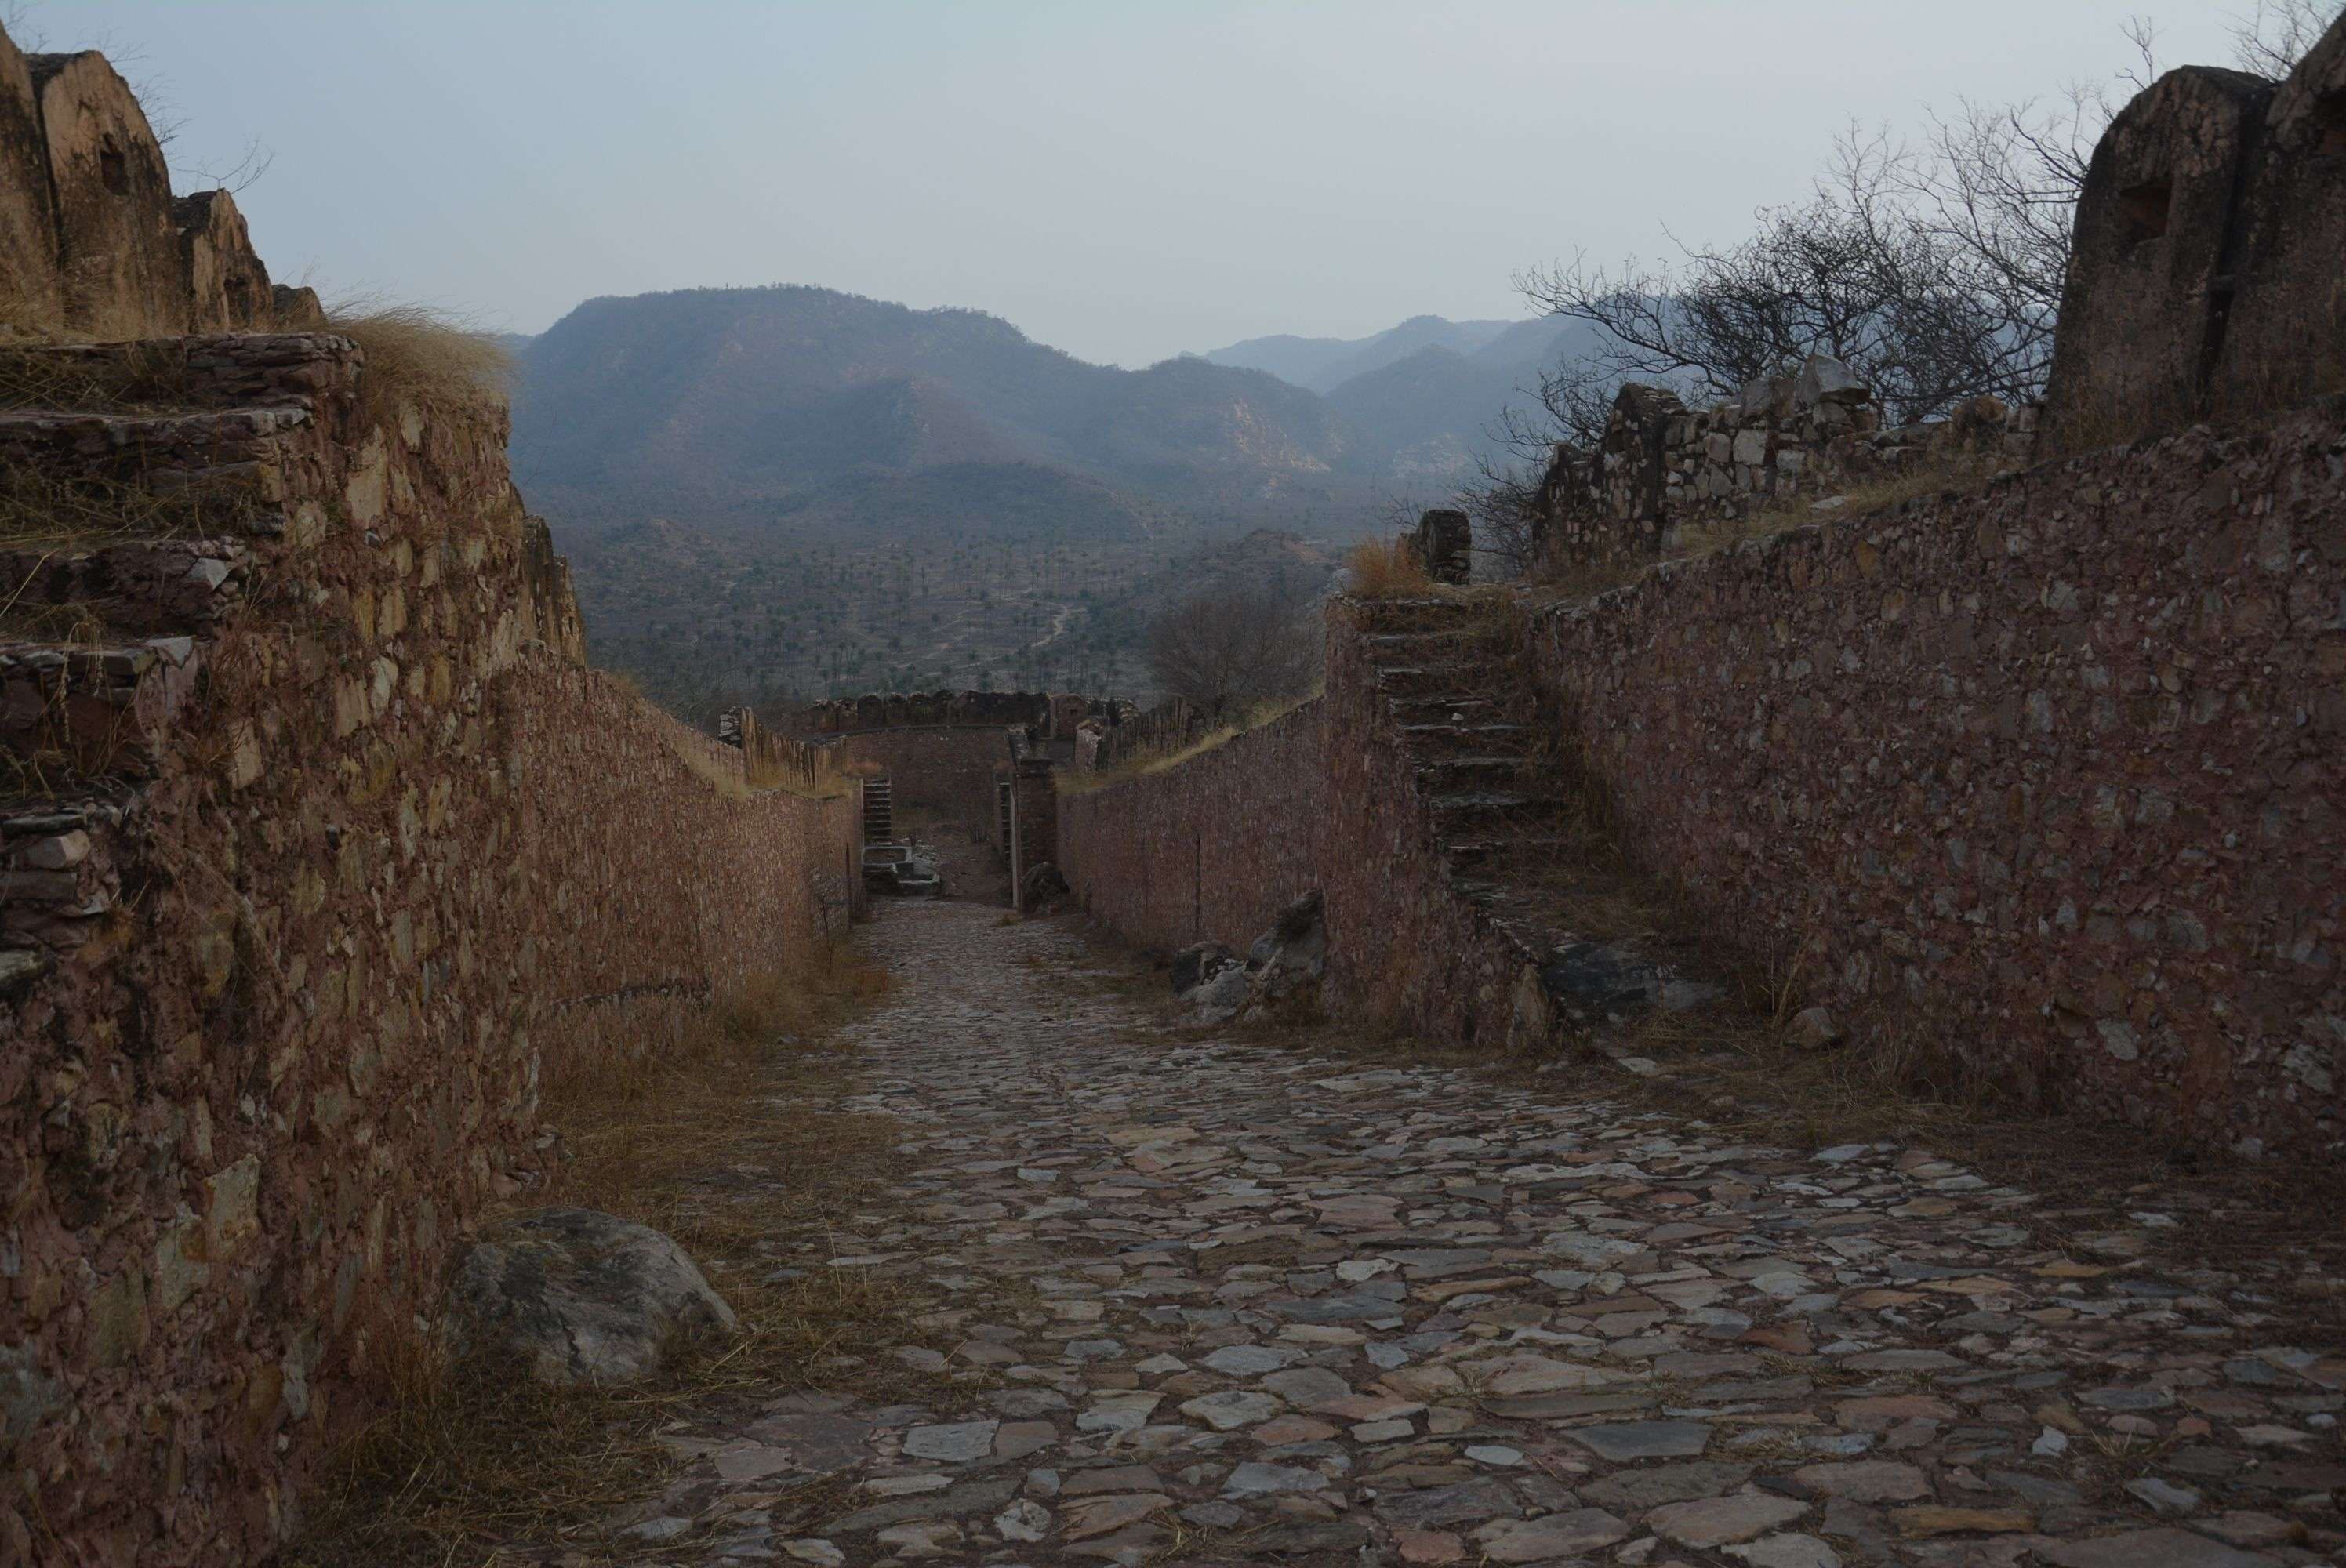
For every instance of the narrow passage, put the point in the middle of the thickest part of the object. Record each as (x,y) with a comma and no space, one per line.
(1224,1303)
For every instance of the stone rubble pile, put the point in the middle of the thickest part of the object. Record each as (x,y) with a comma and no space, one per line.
(1278,980)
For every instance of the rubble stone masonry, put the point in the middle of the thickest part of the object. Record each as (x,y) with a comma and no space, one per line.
(2052,777)
(343,843)
(1210,849)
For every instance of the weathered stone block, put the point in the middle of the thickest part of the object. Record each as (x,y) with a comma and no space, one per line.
(119,249)
(2139,312)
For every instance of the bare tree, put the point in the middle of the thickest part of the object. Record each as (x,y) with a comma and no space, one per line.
(1227,651)
(2272,39)
(1851,273)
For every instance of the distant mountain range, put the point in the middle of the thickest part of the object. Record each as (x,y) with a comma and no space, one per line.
(773,493)
(810,411)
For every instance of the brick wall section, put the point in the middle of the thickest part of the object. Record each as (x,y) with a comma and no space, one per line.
(392,840)
(2055,778)
(1208,850)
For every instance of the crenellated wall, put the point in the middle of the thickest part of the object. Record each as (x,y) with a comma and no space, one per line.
(315,855)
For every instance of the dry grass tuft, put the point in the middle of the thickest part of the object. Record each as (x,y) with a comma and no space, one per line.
(714,1120)
(1384,569)
(428,360)
(1140,764)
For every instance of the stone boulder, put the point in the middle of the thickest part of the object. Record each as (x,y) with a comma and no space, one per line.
(227,286)
(1042,890)
(1287,964)
(1824,379)
(2149,262)
(1196,964)
(30,298)
(582,1298)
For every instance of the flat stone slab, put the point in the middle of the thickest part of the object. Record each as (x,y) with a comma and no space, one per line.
(1622,1440)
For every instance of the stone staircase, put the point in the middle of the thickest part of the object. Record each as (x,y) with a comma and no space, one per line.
(1513,840)
(126,540)
(878,809)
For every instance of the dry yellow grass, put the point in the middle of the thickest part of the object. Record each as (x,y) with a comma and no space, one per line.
(1384,569)
(713,1119)
(1141,764)
(429,360)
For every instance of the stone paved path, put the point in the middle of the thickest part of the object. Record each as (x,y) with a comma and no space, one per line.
(1229,1304)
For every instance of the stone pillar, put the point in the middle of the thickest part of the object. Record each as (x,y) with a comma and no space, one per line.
(1445,543)
(2148,275)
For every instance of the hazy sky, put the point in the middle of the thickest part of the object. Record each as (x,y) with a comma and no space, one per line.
(1123,180)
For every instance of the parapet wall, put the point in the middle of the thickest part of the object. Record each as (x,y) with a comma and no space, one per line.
(947,769)
(318,862)
(1210,849)
(1054,714)
(1663,469)
(2050,778)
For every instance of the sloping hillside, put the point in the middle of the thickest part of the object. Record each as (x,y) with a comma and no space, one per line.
(757,400)
(1421,396)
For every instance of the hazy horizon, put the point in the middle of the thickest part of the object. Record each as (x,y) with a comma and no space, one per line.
(1123,183)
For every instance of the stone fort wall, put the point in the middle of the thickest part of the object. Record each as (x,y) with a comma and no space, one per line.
(1210,850)
(2049,779)
(315,862)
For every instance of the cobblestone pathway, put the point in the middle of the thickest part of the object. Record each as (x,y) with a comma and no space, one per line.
(1228,1304)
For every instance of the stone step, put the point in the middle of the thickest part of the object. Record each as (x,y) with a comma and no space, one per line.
(1483,813)
(1448,775)
(148,586)
(1453,742)
(60,872)
(208,472)
(1442,708)
(1415,680)
(93,711)
(1488,855)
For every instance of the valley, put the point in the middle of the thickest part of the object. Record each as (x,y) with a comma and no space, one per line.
(950,502)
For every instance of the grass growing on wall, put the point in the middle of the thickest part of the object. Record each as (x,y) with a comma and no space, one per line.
(1140,764)
(431,361)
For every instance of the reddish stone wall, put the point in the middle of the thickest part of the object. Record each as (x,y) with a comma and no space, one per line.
(286,961)
(950,770)
(1207,850)
(2054,777)
(1404,948)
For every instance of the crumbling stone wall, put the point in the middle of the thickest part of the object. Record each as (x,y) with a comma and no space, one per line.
(2049,779)
(1663,468)
(92,244)
(2205,280)
(339,842)
(1210,850)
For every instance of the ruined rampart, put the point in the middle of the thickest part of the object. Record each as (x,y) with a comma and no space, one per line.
(2205,280)
(320,845)
(1662,469)
(1207,850)
(92,242)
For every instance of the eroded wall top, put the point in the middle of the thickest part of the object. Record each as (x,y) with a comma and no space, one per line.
(92,242)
